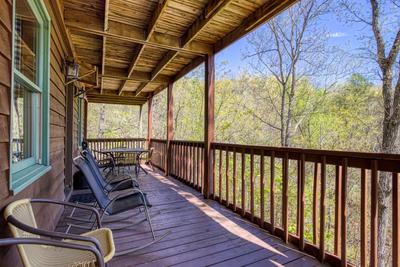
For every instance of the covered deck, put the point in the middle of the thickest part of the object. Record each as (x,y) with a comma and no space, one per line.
(202,232)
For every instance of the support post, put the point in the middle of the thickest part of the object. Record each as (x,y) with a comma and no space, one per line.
(85,117)
(69,134)
(208,124)
(149,120)
(170,127)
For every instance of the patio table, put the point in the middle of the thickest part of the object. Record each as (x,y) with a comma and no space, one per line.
(124,150)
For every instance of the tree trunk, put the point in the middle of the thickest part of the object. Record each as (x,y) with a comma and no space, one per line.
(102,120)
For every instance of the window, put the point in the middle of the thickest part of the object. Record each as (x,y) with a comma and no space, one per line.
(30,94)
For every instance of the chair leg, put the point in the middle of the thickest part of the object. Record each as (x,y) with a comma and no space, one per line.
(146,211)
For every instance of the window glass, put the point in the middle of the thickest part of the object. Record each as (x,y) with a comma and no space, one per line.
(22,129)
(25,42)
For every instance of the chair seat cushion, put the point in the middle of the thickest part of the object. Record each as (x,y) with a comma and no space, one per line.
(105,237)
(128,203)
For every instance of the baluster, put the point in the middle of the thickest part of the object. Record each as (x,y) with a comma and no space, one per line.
(374,215)
(243,183)
(234,179)
(220,176)
(322,211)
(285,197)
(396,220)
(252,185)
(364,207)
(227,175)
(262,213)
(272,195)
(317,174)
(198,166)
(213,174)
(344,213)
(302,199)
(338,193)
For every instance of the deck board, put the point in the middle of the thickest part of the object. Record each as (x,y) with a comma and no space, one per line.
(203,233)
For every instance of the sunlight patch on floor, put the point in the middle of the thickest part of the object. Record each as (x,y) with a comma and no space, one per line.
(217,216)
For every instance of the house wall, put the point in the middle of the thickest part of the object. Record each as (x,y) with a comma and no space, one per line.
(50,185)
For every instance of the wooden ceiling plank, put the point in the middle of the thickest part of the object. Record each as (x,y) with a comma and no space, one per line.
(160,9)
(213,8)
(135,60)
(257,18)
(121,31)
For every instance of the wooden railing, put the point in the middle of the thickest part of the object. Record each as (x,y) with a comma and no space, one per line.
(296,209)
(100,144)
(323,202)
(159,154)
(187,162)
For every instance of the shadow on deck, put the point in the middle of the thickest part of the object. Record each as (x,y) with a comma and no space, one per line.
(203,233)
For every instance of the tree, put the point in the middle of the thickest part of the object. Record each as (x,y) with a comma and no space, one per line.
(383,49)
(291,48)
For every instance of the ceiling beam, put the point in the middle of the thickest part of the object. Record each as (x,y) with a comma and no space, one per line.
(129,33)
(137,54)
(138,76)
(270,9)
(160,9)
(213,8)
(103,53)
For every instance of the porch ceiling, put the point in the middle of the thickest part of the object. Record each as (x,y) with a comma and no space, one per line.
(141,45)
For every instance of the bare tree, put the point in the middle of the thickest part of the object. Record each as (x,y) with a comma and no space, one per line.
(291,48)
(382,48)
(102,121)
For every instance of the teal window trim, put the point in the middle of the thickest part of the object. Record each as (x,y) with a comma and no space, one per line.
(25,172)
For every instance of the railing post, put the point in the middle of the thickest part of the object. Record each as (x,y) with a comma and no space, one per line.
(149,120)
(208,123)
(170,127)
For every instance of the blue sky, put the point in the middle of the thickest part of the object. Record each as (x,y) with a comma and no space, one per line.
(341,34)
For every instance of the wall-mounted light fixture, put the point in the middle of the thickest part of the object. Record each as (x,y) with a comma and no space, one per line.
(72,70)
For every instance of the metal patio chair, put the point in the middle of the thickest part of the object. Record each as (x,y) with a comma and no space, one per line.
(109,185)
(55,253)
(93,248)
(127,200)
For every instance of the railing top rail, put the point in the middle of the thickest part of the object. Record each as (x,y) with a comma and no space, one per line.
(158,140)
(337,153)
(114,139)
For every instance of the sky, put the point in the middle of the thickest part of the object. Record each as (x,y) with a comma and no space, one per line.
(341,34)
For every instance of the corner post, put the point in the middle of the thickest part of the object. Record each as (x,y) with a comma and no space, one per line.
(170,127)
(149,120)
(69,134)
(209,124)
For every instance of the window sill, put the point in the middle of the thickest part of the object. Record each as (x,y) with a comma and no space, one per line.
(20,180)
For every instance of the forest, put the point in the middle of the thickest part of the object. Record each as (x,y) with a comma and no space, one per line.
(298,86)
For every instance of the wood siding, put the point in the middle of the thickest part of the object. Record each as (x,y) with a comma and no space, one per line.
(50,185)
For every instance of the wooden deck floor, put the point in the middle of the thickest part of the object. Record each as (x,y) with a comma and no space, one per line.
(203,233)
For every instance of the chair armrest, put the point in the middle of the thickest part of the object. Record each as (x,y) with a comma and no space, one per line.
(132,181)
(53,243)
(69,204)
(56,235)
(125,194)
